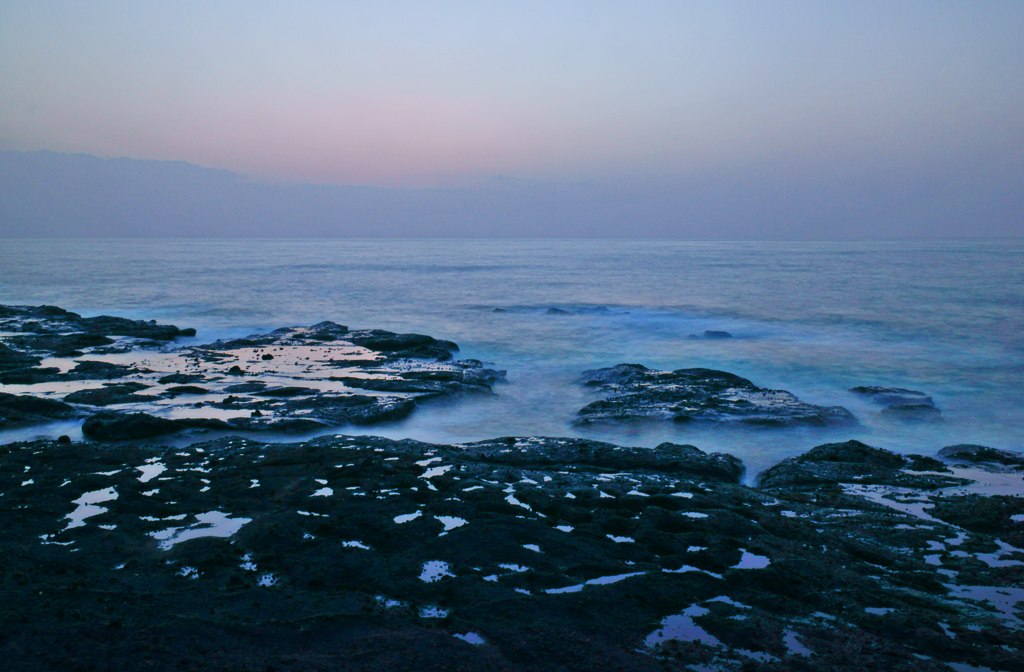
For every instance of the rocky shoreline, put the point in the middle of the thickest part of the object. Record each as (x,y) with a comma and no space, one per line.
(131,381)
(516,553)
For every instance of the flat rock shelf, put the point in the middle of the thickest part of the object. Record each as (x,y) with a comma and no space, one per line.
(533,553)
(224,551)
(131,381)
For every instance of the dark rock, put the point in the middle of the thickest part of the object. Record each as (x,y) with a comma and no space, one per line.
(684,461)
(351,408)
(924,463)
(63,439)
(632,557)
(245,388)
(699,395)
(281,425)
(403,345)
(328,331)
(598,580)
(967,452)
(290,391)
(11,359)
(621,375)
(39,374)
(902,404)
(892,396)
(108,395)
(181,378)
(100,370)
(978,513)
(61,345)
(717,335)
(37,311)
(850,452)
(913,413)
(186,389)
(849,462)
(120,326)
(431,383)
(23,409)
(202,369)
(107,426)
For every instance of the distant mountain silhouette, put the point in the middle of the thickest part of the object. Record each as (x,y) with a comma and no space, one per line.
(47,194)
(50,194)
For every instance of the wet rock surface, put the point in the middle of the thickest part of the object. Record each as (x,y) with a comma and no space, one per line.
(901,404)
(983,455)
(132,382)
(856,462)
(23,410)
(699,396)
(365,553)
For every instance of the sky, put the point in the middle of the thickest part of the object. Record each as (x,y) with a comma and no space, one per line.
(571,96)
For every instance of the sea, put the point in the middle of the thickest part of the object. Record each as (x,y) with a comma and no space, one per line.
(813,318)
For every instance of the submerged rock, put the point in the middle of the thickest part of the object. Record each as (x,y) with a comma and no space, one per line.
(699,395)
(712,335)
(901,404)
(892,396)
(913,412)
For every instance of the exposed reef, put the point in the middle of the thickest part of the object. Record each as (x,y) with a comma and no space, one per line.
(699,396)
(365,553)
(516,553)
(131,382)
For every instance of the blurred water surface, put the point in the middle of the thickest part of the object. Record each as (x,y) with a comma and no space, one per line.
(946,318)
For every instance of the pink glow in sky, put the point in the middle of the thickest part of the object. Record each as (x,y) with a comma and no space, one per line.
(793,118)
(401,93)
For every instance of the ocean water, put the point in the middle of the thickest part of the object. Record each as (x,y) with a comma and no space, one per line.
(946,318)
